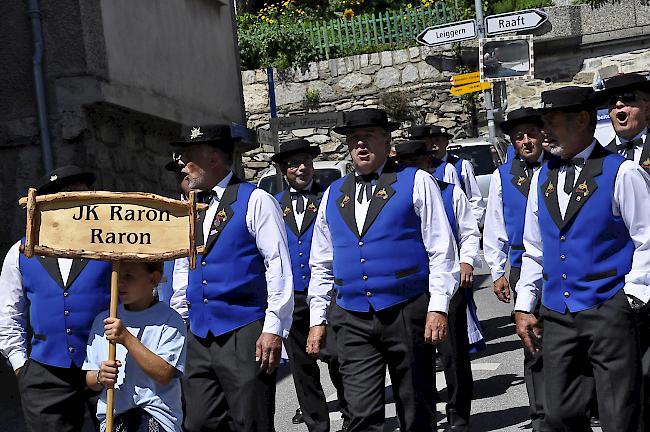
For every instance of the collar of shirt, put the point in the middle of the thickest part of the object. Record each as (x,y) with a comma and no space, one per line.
(378,170)
(584,154)
(642,135)
(220,187)
(307,188)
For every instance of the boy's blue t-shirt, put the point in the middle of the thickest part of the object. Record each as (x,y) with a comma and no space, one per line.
(161,330)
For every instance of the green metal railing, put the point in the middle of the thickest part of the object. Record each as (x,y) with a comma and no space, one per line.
(390,27)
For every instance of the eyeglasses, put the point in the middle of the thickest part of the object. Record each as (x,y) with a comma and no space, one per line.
(627,97)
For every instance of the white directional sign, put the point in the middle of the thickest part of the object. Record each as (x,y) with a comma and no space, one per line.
(514,21)
(447,33)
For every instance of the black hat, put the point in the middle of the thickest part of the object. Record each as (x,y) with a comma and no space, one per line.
(418,132)
(521,116)
(173,166)
(622,83)
(367,117)
(216,134)
(58,178)
(294,146)
(411,148)
(568,99)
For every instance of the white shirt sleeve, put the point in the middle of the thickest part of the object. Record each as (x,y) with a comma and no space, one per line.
(530,283)
(469,236)
(265,223)
(178,301)
(472,190)
(438,240)
(450,175)
(321,256)
(13,303)
(631,197)
(495,239)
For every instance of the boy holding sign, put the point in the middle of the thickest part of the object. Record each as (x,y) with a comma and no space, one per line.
(150,358)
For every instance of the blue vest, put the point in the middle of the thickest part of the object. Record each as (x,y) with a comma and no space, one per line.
(227,290)
(61,317)
(439,170)
(299,238)
(514,191)
(588,254)
(387,263)
(447,191)
(458,164)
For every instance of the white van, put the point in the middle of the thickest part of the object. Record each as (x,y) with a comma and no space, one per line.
(484,156)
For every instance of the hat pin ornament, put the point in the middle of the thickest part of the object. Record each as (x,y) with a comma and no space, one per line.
(53,177)
(195,133)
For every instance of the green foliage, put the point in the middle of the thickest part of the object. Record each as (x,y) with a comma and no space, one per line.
(281,44)
(312,97)
(503,6)
(594,3)
(397,105)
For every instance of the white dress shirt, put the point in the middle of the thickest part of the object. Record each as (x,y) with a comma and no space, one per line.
(436,235)
(630,200)
(294,202)
(13,303)
(471,188)
(637,149)
(496,244)
(469,236)
(265,223)
(450,175)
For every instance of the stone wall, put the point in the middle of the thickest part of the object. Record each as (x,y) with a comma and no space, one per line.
(419,90)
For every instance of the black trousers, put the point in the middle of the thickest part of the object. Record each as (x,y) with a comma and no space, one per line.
(55,399)
(306,374)
(597,346)
(224,388)
(330,355)
(367,342)
(454,354)
(643,322)
(533,372)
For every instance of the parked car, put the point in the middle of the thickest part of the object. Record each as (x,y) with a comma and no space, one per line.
(324,171)
(484,156)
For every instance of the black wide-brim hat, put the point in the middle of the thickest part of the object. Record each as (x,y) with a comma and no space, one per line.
(295,146)
(173,166)
(622,83)
(568,99)
(60,177)
(411,148)
(521,116)
(215,135)
(367,117)
(423,131)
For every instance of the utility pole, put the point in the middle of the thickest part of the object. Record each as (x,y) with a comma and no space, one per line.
(487,94)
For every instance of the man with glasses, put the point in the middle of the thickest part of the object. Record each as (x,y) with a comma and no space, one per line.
(240,296)
(382,240)
(299,206)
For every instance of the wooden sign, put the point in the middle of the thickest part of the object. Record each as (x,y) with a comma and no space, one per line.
(466,78)
(110,226)
(470,88)
(314,120)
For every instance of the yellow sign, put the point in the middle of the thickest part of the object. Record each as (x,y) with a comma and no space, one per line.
(110,226)
(467,78)
(470,88)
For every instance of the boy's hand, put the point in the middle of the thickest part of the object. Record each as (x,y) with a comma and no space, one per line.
(108,371)
(115,331)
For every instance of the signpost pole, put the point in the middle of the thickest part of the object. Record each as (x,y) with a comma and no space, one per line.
(110,392)
(487,94)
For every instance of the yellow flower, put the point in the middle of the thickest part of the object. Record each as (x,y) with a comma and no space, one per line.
(348,13)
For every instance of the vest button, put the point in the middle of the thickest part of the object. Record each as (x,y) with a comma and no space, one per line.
(300,254)
(360,243)
(304,277)
(205,282)
(566,294)
(564,277)
(68,331)
(368,294)
(66,313)
(71,349)
(365,277)
(363,260)
(302,266)
(205,301)
(65,294)
(299,242)
(562,238)
(562,257)
(203,263)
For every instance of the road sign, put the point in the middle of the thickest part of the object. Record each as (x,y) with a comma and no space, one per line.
(466,78)
(514,21)
(315,120)
(447,33)
(470,88)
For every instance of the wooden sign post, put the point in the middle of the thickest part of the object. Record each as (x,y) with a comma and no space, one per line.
(111,226)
